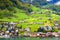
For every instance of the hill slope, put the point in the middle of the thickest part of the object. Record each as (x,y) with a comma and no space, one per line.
(28,15)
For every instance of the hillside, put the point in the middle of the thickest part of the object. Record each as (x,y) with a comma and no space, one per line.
(35,2)
(53,7)
(28,15)
(10,9)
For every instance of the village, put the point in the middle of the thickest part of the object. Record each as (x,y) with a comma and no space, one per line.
(9,30)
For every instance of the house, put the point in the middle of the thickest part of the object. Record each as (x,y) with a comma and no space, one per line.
(55,34)
(12,24)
